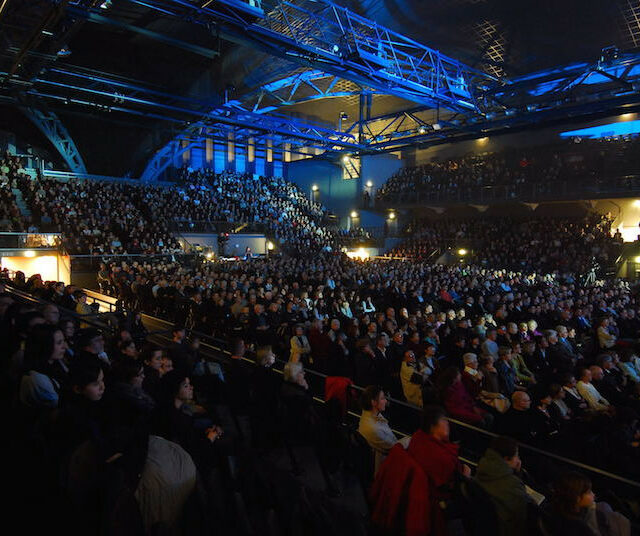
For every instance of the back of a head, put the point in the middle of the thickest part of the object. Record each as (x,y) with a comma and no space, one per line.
(431,415)
(291,371)
(39,346)
(506,447)
(237,347)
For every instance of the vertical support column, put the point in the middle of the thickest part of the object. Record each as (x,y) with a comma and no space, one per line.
(231,152)
(208,152)
(261,157)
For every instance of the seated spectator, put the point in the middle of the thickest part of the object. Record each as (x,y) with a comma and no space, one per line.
(46,373)
(484,390)
(178,423)
(605,339)
(458,402)
(573,510)
(431,448)
(517,422)
(506,372)
(589,392)
(373,425)
(412,376)
(128,375)
(151,356)
(300,417)
(498,474)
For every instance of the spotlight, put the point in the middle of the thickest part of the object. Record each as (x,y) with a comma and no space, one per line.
(336,49)
(436,126)
(314,188)
(422,129)
(369,184)
(209,256)
(392,215)
(270,245)
(29,253)
(354,214)
(462,252)
(345,159)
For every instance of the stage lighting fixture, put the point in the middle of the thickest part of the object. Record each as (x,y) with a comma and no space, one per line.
(345,159)
(314,188)
(392,215)
(106,4)
(422,129)
(462,252)
(436,126)
(369,184)
(354,214)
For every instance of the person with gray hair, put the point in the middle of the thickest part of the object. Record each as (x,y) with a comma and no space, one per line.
(300,416)
(265,356)
(294,373)
(561,358)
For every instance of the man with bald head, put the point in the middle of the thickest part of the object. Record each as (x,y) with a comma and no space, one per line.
(517,421)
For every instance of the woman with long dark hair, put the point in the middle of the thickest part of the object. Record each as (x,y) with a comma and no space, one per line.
(46,372)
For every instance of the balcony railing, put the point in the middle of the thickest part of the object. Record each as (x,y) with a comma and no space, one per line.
(9,240)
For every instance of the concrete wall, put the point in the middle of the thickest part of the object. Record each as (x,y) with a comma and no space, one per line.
(340,196)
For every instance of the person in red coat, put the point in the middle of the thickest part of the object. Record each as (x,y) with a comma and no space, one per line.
(457,400)
(411,485)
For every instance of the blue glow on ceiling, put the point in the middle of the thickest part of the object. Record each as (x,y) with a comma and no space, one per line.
(623,128)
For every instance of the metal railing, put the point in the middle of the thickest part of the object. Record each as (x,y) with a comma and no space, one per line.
(14,240)
(83,263)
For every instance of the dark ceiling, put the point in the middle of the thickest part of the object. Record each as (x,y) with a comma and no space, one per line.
(502,37)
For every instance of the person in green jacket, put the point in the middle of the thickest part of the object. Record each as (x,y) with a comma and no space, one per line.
(497,474)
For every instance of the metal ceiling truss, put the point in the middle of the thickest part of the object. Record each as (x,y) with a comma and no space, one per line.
(70,85)
(327,37)
(300,88)
(567,92)
(51,126)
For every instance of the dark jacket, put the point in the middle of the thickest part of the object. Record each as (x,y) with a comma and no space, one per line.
(506,490)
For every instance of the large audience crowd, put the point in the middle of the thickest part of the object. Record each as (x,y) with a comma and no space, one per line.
(11,218)
(541,360)
(99,217)
(129,436)
(568,245)
(576,167)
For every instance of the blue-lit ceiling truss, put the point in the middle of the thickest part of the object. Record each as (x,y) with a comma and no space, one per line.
(69,85)
(300,88)
(324,36)
(51,126)
(339,55)
(609,85)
